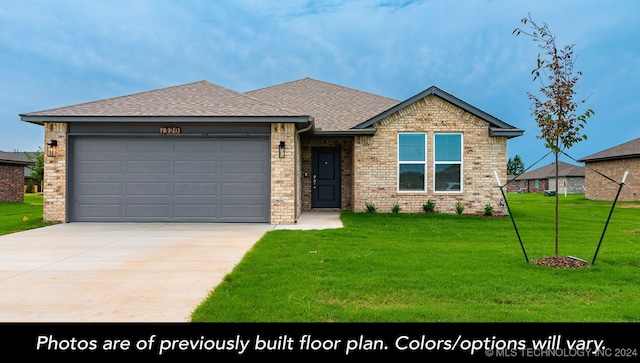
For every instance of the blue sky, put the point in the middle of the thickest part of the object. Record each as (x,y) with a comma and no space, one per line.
(59,53)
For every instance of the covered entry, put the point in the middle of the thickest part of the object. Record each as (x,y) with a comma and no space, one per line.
(169,179)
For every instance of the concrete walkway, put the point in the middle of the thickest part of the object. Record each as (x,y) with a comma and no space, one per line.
(123,272)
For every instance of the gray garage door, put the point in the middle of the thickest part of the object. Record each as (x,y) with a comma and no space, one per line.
(170,179)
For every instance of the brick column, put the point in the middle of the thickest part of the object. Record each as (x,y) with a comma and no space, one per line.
(283,174)
(54,186)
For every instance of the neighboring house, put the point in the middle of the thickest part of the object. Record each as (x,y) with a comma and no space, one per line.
(513,186)
(613,163)
(544,179)
(203,153)
(12,167)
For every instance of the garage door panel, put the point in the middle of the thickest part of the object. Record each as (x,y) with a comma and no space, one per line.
(170,179)
(100,167)
(243,146)
(195,167)
(206,146)
(148,211)
(102,211)
(235,212)
(193,189)
(148,189)
(245,189)
(148,167)
(207,211)
(243,167)
(98,189)
(148,146)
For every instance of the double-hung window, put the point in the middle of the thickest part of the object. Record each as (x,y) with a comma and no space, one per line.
(448,162)
(412,160)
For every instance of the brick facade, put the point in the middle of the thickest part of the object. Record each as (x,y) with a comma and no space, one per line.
(601,188)
(55,174)
(11,183)
(284,198)
(533,185)
(375,165)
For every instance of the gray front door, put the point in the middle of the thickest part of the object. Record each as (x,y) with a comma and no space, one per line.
(325,177)
(173,179)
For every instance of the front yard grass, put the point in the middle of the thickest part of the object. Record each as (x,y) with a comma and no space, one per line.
(441,268)
(16,217)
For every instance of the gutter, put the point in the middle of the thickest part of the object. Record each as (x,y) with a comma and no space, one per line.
(295,160)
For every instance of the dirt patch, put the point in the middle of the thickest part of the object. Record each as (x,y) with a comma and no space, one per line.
(560,262)
(633,206)
(633,231)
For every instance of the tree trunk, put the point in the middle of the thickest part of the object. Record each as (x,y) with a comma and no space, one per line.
(556,194)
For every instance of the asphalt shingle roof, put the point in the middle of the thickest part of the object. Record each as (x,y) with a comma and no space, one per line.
(333,107)
(549,171)
(629,149)
(13,158)
(193,99)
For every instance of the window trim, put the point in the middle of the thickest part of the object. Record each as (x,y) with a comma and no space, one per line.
(413,162)
(461,163)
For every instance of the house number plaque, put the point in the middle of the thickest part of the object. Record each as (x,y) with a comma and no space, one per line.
(168,130)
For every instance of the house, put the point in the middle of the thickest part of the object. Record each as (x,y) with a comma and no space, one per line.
(12,167)
(613,163)
(543,179)
(200,152)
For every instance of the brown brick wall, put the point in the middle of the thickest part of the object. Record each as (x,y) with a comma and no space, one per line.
(11,183)
(346,147)
(601,188)
(375,160)
(530,185)
(55,174)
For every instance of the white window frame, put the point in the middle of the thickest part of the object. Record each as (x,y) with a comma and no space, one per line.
(424,162)
(461,163)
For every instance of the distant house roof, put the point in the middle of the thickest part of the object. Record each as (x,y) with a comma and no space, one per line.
(549,171)
(627,150)
(13,158)
(330,106)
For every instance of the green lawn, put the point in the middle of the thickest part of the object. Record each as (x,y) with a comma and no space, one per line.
(441,268)
(15,217)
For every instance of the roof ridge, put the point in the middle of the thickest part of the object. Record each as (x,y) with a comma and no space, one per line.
(327,83)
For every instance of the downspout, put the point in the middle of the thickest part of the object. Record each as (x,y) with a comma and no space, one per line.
(295,160)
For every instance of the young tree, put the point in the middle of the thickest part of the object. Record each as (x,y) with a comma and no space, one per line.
(515,166)
(555,110)
(37,169)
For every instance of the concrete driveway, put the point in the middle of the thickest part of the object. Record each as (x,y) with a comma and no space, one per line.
(121,272)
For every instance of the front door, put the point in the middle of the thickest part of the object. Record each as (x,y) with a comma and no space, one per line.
(325,177)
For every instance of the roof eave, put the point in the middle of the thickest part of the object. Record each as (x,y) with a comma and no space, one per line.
(607,158)
(40,120)
(350,132)
(509,133)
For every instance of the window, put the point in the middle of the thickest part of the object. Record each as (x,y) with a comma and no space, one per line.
(412,160)
(448,162)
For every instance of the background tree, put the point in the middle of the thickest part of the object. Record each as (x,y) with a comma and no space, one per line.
(555,110)
(515,166)
(37,169)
